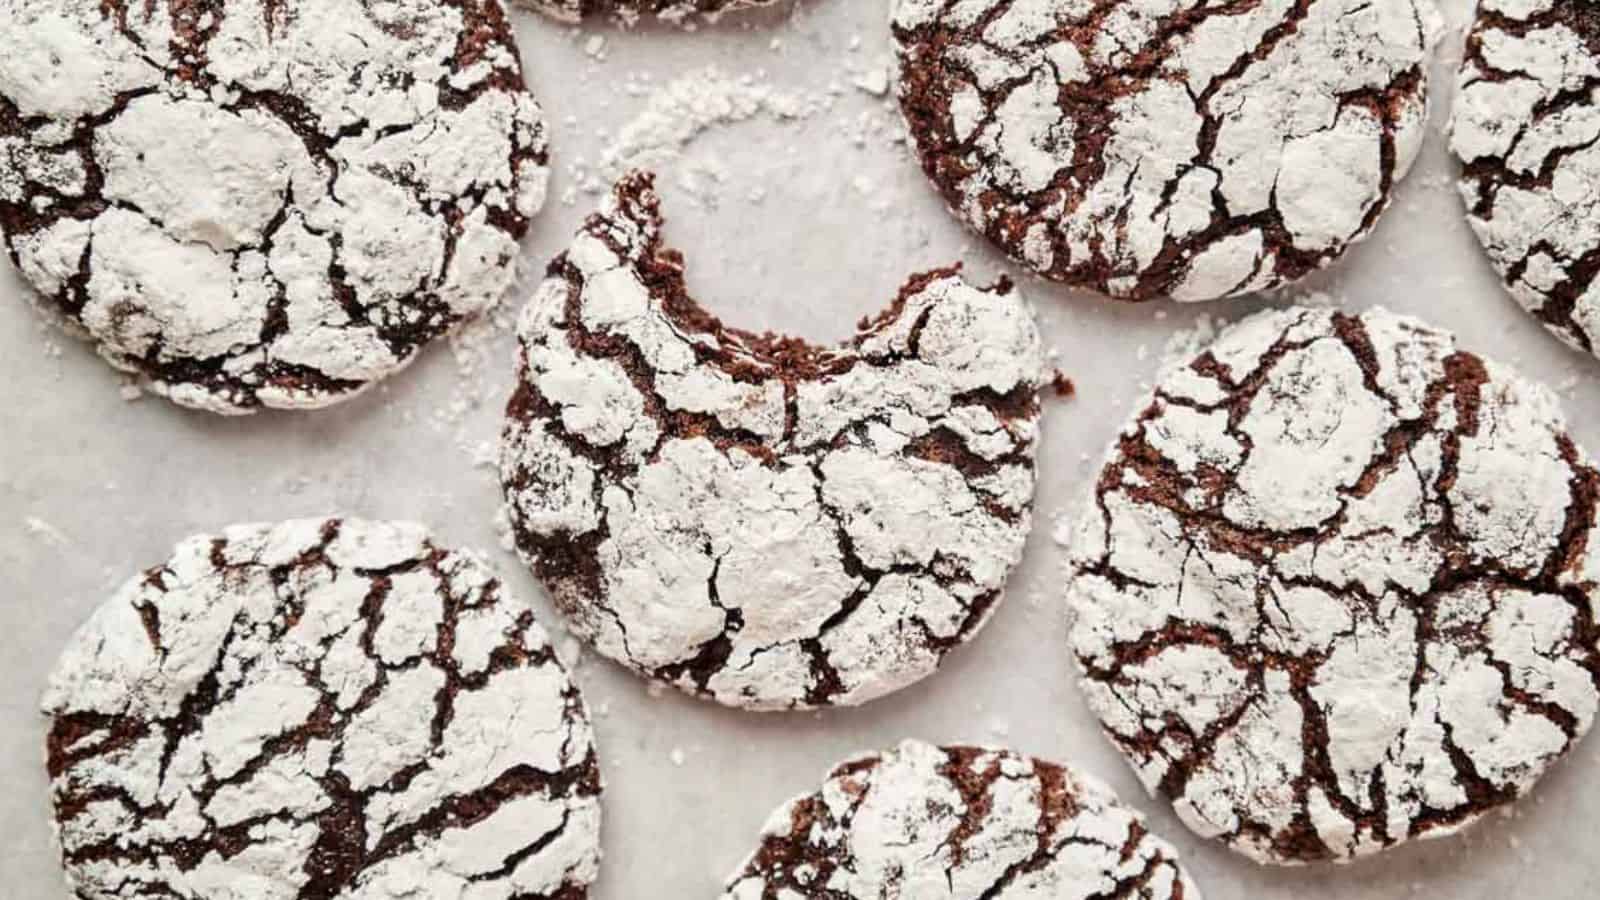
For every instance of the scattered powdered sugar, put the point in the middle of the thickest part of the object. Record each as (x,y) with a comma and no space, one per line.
(476,349)
(1182,346)
(753,519)
(955,823)
(320,708)
(45,532)
(685,107)
(1527,129)
(265,204)
(630,12)
(874,79)
(1333,590)
(1062,528)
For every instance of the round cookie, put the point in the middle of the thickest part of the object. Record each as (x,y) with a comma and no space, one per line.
(633,10)
(320,708)
(1167,148)
(959,823)
(1334,588)
(1527,116)
(751,518)
(264,203)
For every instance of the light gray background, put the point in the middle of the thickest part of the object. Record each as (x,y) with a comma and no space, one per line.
(94,487)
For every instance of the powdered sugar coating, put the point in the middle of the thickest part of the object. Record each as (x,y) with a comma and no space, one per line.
(265,202)
(320,709)
(1526,124)
(631,11)
(1335,587)
(755,520)
(1165,147)
(959,823)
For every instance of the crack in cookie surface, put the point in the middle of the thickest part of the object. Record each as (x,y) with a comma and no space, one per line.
(959,823)
(751,518)
(1527,131)
(264,202)
(1170,148)
(320,709)
(631,11)
(1335,587)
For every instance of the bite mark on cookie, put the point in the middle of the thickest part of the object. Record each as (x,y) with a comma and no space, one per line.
(752,518)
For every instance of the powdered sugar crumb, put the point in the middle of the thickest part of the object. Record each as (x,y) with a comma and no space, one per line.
(679,111)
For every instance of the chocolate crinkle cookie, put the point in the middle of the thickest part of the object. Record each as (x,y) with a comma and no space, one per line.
(1334,588)
(1527,120)
(752,518)
(264,203)
(959,823)
(1167,148)
(320,709)
(631,11)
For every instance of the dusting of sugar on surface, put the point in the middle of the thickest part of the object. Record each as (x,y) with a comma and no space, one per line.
(629,12)
(682,109)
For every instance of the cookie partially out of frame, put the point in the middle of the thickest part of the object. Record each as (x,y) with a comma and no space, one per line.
(1335,586)
(1527,118)
(319,709)
(752,518)
(1191,150)
(959,823)
(631,10)
(264,203)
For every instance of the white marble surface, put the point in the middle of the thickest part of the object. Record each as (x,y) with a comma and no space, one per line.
(94,487)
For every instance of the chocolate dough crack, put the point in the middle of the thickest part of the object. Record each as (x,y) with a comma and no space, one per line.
(1527,131)
(631,11)
(1334,590)
(1167,148)
(320,709)
(959,823)
(264,202)
(751,518)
